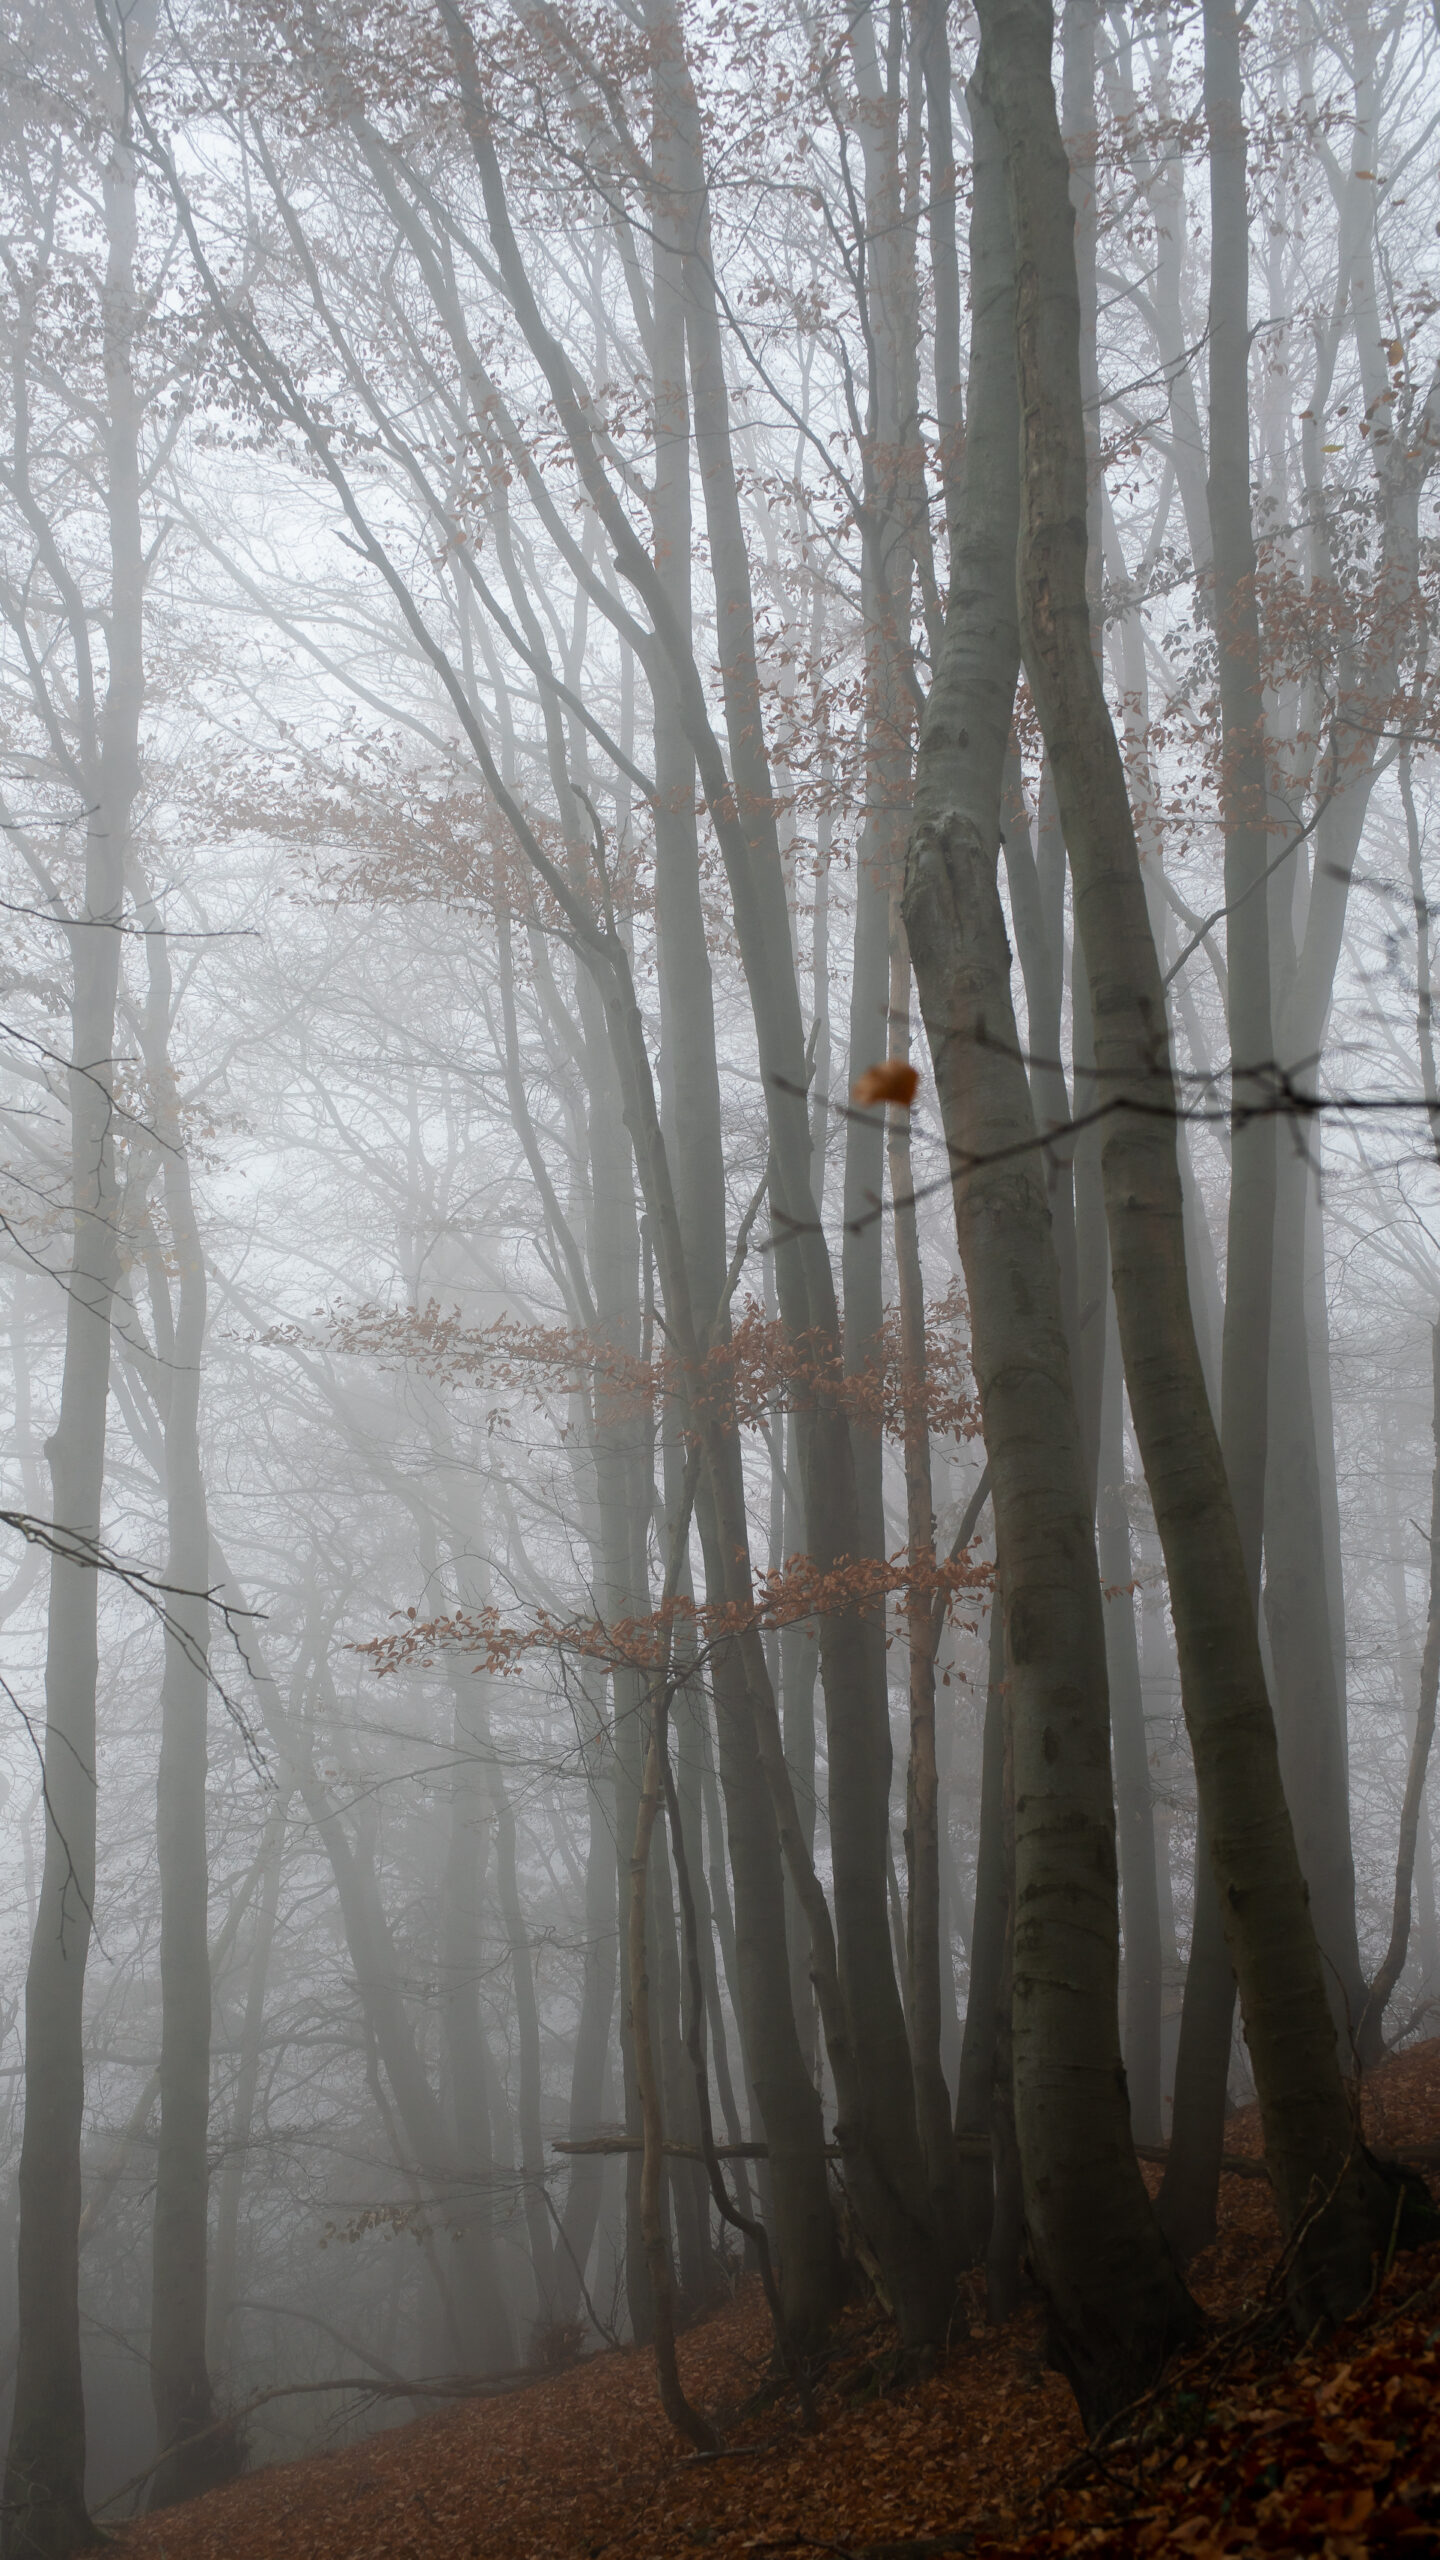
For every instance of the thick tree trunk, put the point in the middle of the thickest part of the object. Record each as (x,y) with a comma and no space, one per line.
(1310,2144)
(1115,2301)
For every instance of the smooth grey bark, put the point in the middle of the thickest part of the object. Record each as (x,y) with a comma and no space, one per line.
(44,2494)
(179,2375)
(225,2275)
(805,2248)
(1369,2037)
(1304,2107)
(878,2131)
(923,1906)
(1116,2305)
(1309,1688)
(1403,443)
(978,2044)
(583,2196)
(1134,1808)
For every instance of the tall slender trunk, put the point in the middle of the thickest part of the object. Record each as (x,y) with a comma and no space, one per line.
(1369,2038)
(922,1784)
(527,2036)
(1133,1803)
(1116,2304)
(179,2374)
(805,2248)
(225,2277)
(44,2495)
(1310,2142)
(852,1660)
(978,2043)
(878,2129)
(592,2042)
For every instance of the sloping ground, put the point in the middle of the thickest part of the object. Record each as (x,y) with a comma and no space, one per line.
(1250,2449)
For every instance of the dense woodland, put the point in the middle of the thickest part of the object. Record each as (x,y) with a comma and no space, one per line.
(720,1190)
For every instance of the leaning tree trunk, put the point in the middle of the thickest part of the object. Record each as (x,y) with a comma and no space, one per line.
(1116,2304)
(1311,2147)
(44,2495)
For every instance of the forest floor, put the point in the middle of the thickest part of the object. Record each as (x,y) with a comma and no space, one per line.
(1251,2447)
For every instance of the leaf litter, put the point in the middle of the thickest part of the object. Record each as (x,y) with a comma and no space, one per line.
(1250,2447)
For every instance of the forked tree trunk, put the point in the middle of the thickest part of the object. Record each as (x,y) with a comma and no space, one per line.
(1311,2146)
(1116,2304)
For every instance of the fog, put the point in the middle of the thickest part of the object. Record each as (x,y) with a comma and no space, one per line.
(513,703)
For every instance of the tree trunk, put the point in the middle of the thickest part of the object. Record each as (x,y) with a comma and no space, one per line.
(224,2283)
(922,1782)
(1116,2304)
(592,2042)
(179,2375)
(1133,1804)
(1370,2041)
(1308,2126)
(987,1955)
(44,2496)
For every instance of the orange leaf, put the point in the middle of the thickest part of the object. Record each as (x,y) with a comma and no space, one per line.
(891,1081)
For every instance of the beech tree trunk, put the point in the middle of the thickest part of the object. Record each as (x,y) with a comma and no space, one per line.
(1116,2304)
(978,2043)
(224,2285)
(923,1908)
(1370,2041)
(179,2373)
(45,2514)
(1134,1808)
(1309,2135)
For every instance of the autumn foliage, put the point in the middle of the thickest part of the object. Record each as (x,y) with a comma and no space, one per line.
(1249,2448)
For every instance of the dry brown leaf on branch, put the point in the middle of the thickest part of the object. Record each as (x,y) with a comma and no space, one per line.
(891,1080)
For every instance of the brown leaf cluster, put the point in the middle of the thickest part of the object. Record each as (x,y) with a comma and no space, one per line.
(758,1369)
(785,1595)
